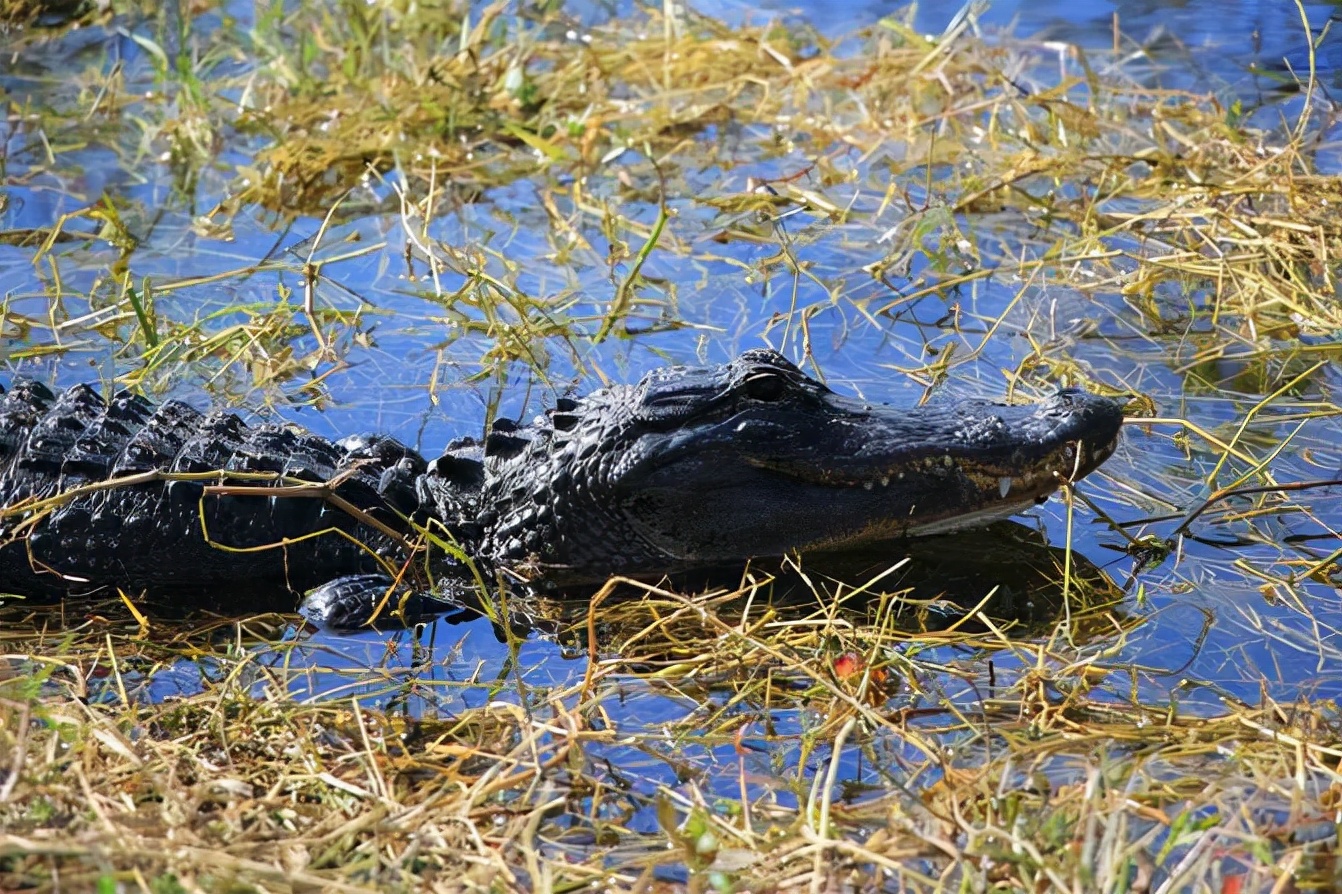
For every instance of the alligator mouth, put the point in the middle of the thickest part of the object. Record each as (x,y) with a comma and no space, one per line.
(956,477)
(1070,462)
(945,493)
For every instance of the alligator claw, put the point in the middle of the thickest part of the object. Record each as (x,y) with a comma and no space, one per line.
(353,601)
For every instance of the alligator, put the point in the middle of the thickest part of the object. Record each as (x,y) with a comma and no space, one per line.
(691,468)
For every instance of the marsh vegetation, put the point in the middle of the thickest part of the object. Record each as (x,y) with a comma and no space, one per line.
(418,217)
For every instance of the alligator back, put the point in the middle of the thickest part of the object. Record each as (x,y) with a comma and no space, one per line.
(93,493)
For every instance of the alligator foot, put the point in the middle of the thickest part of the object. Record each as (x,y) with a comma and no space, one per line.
(352,601)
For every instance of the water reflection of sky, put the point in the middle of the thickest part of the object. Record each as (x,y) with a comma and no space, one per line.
(1243,32)
(1211,631)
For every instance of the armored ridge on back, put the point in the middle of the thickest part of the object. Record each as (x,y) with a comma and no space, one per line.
(688,469)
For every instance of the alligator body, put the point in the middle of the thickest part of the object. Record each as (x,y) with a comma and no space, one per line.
(112,493)
(687,469)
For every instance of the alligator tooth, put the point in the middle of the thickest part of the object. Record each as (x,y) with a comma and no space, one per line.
(867,485)
(885,481)
(1003,486)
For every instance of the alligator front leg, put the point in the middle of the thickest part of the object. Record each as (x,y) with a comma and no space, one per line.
(363,600)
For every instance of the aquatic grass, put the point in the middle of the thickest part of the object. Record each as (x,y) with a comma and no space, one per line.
(1102,147)
(27,20)
(1165,192)
(1055,778)
(480,98)
(840,736)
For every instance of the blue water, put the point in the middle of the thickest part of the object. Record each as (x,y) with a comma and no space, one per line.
(415,362)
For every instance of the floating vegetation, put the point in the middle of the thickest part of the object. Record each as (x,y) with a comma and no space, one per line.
(1023,771)
(415,210)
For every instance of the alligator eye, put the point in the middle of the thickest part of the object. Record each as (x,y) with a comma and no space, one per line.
(766,387)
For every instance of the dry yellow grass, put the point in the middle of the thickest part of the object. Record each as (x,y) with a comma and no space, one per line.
(819,749)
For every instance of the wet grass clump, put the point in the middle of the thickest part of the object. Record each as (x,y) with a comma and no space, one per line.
(827,750)
(461,208)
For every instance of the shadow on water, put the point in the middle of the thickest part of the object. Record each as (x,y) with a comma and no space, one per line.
(1004,578)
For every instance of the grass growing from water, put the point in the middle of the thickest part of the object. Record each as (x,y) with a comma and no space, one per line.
(815,750)
(951,153)
(1029,771)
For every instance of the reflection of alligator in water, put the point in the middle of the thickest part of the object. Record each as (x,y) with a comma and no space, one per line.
(1005,571)
(636,628)
(690,468)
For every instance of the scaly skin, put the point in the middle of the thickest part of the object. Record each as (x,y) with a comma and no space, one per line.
(695,467)
(690,468)
(150,535)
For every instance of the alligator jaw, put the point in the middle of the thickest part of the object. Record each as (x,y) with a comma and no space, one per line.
(996,494)
(936,470)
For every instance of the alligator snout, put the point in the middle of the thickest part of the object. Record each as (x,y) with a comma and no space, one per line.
(1090,421)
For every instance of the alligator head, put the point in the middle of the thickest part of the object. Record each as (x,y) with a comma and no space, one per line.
(696,467)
